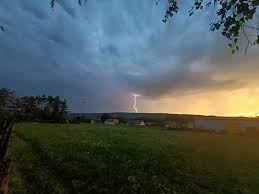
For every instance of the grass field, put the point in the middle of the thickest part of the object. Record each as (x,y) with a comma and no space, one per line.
(53,158)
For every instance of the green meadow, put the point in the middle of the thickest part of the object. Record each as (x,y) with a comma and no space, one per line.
(84,158)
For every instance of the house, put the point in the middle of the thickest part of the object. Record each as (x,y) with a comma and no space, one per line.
(95,121)
(137,123)
(111,121)
(171,124)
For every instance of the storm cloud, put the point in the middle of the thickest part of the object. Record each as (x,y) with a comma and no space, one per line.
(104,51)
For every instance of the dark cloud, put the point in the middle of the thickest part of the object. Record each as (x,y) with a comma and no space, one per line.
(104,51)
(67,7)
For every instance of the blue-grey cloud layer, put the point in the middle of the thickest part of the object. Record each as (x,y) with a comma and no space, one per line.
(105,50)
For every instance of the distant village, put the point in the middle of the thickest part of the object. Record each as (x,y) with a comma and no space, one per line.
(242,125)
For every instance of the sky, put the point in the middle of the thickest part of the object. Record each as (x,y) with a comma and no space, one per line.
(100,54)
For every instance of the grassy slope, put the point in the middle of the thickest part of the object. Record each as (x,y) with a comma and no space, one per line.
(49,158)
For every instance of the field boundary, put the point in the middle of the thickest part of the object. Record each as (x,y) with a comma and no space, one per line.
(5,137)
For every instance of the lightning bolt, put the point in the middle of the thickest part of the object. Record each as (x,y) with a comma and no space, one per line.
(135,102)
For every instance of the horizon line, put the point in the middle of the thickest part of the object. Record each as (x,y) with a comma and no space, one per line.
(189,114)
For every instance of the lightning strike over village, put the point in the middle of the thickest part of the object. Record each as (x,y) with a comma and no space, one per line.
(134,97)
(135,102)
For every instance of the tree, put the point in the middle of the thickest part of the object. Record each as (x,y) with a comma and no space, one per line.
(29,108)
(231,18)
(7,103)
(41,102)
(58,107)
(104,117)
(123,120)
(42,108)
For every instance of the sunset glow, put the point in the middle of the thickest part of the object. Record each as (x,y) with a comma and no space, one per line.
(242,102)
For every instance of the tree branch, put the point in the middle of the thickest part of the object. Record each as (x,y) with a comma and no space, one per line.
(2,28)
(252,27)
(248,41)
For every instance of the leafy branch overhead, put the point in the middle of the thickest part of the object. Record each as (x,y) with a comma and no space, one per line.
(231,18)
(52,2)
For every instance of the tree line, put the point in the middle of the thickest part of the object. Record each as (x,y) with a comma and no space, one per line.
(32,108)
